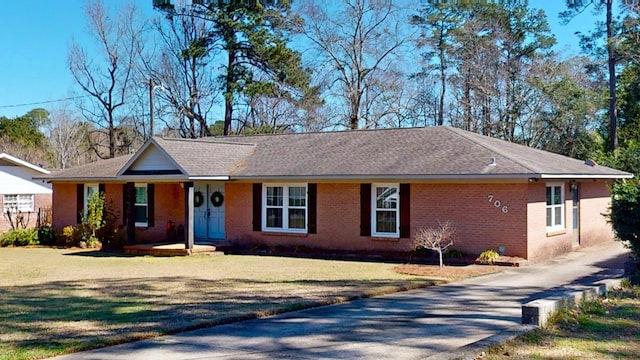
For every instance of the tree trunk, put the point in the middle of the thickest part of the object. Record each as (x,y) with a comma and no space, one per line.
(228,95)
(613,112)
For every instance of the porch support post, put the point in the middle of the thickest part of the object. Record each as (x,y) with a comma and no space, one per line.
(188,215)
(130,196)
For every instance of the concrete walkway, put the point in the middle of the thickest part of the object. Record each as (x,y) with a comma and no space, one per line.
(450,321)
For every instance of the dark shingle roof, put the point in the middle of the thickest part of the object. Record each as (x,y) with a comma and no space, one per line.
(431,152)
(99,170)
(206,158)
(409,152)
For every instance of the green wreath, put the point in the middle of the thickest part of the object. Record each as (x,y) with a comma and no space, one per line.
(198,199)
(217,199)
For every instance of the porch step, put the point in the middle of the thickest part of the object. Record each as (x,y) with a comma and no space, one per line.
(173,250)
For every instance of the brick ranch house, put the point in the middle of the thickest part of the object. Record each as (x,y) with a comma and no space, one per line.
(365,190)
(20,193)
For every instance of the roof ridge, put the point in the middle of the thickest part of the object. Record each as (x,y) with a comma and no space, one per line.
(470,136)
(321,132)
(204,141)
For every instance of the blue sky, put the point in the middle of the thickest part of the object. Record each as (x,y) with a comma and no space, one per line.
(35,36)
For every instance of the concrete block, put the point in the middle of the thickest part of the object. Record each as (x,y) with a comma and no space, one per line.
(538,312)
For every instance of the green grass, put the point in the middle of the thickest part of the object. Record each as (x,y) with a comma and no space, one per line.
(56,301)
(607,328)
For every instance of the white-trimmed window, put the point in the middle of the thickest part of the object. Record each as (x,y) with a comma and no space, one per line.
(141,205)
(555,206)
(89,189)
(18,202)
(285,207)
(385,208)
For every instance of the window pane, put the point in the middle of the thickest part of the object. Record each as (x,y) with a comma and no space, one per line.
(25,202)
(297,218)
(274,196)
(10,203)
(297,196)
(141,213)
(274,218)
(557,195)
(141,195)
(549,195)
(386,198)
(91,190)
(549,216)
(558,216)
(386,222)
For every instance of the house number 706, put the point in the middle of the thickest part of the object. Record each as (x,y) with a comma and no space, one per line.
(497,203)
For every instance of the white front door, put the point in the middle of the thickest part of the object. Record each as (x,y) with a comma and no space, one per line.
(216,204)
(209,204)
(200,211)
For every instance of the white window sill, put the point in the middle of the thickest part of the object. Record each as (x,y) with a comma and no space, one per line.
(386,235)
(556,231)
(285,231)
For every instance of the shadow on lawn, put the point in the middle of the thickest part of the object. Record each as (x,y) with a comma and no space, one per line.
(75,315)
(100,254)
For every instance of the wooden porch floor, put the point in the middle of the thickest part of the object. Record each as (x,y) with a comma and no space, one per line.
(173,249)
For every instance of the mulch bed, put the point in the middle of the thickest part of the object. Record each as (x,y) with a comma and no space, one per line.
(447,272)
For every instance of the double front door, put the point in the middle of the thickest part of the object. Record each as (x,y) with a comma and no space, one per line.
(209,204)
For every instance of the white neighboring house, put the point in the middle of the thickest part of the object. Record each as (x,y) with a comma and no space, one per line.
(20,193)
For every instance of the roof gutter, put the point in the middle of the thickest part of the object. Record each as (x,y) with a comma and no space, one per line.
(436,177)
(209,178)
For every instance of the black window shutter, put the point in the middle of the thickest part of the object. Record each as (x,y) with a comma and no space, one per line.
(151,205)
(312,192)
(405,211)
(125,199)
(101,188)
(257,207)
(365,209)
(79,202)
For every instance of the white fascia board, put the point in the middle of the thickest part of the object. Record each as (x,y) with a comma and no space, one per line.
(152,178)
(386,177)
(19,162)
(209,178)
(592,176)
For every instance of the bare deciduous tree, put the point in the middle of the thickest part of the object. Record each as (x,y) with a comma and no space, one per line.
(105,73)
(183,70)
(438,239)
(357,45)
(67,139)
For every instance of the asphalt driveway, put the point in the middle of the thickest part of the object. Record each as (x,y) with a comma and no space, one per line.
(434,323)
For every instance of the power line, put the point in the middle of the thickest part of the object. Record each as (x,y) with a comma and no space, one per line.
(41,102)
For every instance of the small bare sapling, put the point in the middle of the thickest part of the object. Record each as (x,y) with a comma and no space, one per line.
(438,239)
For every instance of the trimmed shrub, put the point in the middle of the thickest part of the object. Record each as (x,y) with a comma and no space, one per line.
(19,237)
(488,257)
(46,235)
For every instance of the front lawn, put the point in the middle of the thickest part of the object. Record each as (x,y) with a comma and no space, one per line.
(56,301)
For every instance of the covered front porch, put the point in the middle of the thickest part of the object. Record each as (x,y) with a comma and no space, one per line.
(176,218)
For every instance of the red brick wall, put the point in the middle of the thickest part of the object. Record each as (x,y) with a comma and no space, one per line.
(64,205)
(40,201)
(479,224)
(595,201)
(169,205)
(543,245)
